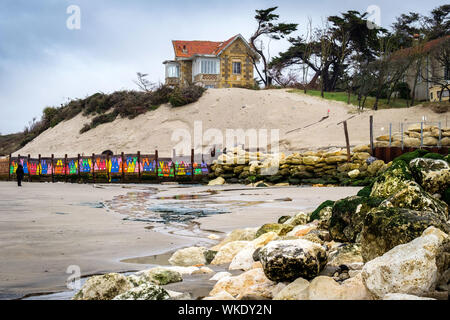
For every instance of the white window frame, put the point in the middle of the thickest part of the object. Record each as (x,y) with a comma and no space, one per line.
(240,67)
(170,70)
(209,66)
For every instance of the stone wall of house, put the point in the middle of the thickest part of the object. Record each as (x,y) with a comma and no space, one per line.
(236,52)
(313,167)
(185,72)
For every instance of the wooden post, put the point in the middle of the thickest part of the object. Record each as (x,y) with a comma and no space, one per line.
(107,168)
(347,141)
(157,165)
(371,134)
(65,168)
(39,167)
(123,170)
(93,167)
(78,167)
(9,168)
(53,168)
(28,167)
(139,165)
(192,164)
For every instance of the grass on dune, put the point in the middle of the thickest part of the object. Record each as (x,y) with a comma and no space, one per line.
(342,97)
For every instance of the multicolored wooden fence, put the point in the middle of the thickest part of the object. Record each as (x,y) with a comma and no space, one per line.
(115,165)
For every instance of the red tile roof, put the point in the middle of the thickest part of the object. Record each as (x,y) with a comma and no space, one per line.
(186,49)
(420,49)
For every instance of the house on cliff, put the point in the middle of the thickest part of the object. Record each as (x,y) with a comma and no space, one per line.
(429,70)
(212,64)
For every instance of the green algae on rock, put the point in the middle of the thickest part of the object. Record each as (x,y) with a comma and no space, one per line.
(159,276)
(280,229)
(433,175)
(146,291)
(287,260)
(392,180)
(386,228)
(315,215)
(348,216)
(415,198)
(104,287)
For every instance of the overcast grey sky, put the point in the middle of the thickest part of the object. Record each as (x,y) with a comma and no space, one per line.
(43,63)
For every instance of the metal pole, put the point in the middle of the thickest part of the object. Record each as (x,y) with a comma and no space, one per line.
(390,134)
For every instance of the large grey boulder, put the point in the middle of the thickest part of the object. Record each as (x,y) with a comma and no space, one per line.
(408,269)
(104,287)
(433,175)
(146,291)
(413,196)
(385,228)
(287,260)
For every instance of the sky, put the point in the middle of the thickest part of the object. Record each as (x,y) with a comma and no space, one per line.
(44,63)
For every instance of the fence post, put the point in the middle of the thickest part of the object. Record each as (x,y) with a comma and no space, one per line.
(53,168)
(78,167)
(139,165)
(157,165)
(347,141)
(192,164)
(371,134)
(107,168)
(39,167)
(123,171)
(174,166)
(93,167)
(9,168)
(65,168)
(440,135)
(421,134)
(402,136)
(28,167)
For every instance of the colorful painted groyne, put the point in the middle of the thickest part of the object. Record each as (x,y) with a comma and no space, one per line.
(113,168)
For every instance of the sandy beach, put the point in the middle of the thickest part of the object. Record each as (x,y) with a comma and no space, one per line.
(45,228)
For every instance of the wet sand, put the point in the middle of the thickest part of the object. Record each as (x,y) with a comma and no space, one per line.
(45,228)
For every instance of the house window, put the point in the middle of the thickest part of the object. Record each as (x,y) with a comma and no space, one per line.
(173,71)
(236,68)
(210,67)
(431,96)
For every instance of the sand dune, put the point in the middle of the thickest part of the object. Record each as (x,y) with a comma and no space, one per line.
(297,116)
